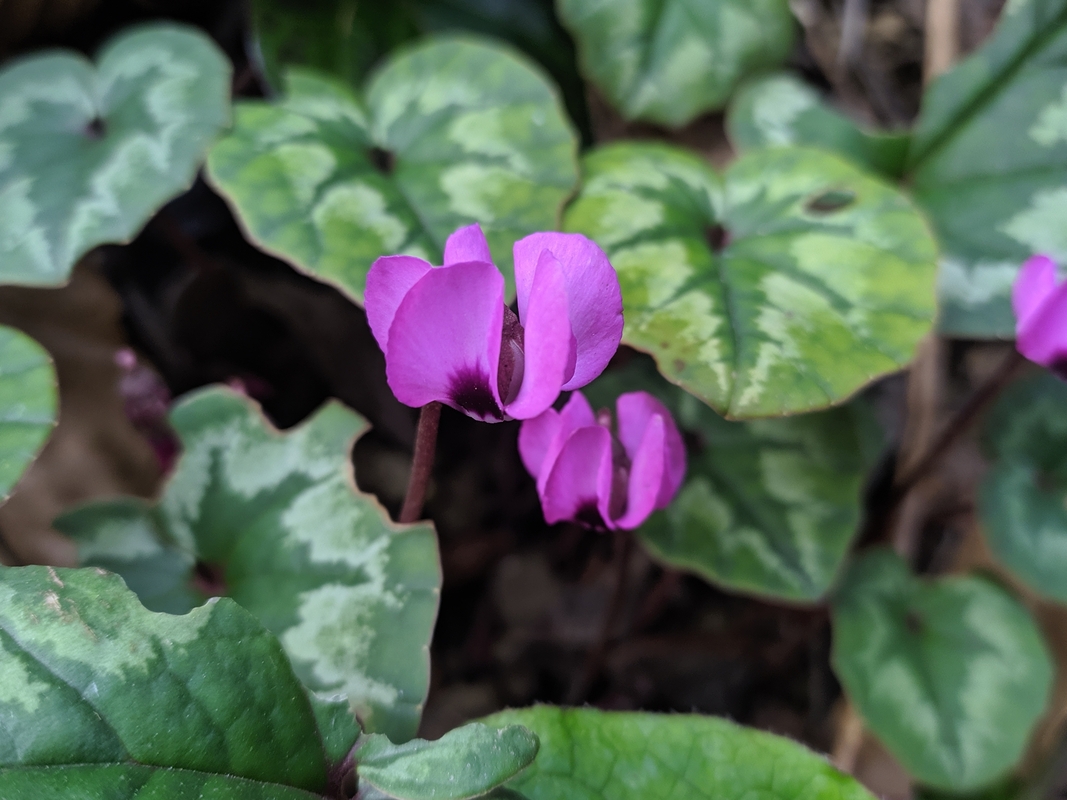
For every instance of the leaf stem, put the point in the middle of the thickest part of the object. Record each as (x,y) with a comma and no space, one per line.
(422,463)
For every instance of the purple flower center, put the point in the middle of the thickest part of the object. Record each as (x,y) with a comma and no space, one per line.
(470,391)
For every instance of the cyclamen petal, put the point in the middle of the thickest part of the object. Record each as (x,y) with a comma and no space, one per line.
(1041,310)
(467,244)
(389,280)
(572,458)
(594,298)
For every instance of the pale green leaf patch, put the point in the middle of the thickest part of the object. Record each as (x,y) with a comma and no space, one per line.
(28,404)
(101,697)
(446,133)
(783,286)
(277,517)
(670,60)
(588,754)
(88,153)
(950,674)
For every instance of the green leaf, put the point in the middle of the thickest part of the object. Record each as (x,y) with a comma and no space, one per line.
(447,133)
(783,287)
(28,404)
(1021,500)
(101,698)
(88,154)
(588,754)
(951,675)
(465,762)
(670,60)
(781,109)
(351,596)
(989,164)
(770,506)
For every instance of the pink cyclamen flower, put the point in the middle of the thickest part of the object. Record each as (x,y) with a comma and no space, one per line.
(448,336)
(1040,306)
(586,474)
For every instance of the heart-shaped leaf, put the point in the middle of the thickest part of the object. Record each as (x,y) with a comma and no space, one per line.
(464,763)
(447,133)
(769,506)
(88,154)
(950,675)
(274,521)
(27,404)
(1022,498)
(989,164)
(588,754)
(670,60)
(783,287)
(101,698)
(782,109)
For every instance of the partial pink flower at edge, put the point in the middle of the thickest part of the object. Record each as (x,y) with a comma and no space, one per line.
(1040,305)
(447,335)
(607,481)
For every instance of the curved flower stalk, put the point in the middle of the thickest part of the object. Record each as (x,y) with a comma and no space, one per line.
(586,474)
(1040,305)
(448,337)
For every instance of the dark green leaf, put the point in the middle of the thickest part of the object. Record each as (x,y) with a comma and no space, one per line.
(448,133)
(465,762)
(588,754)
(101,698)
(27,404)
(671,60)
(989,163)
(951,675)
(783,110)
(783,287)
(1022,498)
(88,154)
(351,596)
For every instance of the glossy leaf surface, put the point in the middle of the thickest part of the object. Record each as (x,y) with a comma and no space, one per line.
(783,287)
(466,762)
(101,698)
(449,132)
(587,754)
(771,506)
(951,675)
(782,109)
(276,521)
(988,162)
(1022,498)
(88,153)
(28,404)
(669,60)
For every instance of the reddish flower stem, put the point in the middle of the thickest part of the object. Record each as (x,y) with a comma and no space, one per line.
(422,464)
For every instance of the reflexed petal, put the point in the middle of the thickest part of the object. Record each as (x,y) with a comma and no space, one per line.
(646,475)
(547,340)
(389,279)
(635,411)
(444,343)
(593,295)
(536,437)
(1043,337)
(467,244)
(579,484)
(575,414)
(1034,283)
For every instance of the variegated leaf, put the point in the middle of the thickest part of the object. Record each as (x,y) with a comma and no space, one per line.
(950,674)
(589,754)
(447,133)
(988,162)
(783,287)
(88,154)
(28,404)
(670,60)
(101,698)
(782,109)
(278,518)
